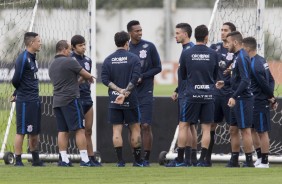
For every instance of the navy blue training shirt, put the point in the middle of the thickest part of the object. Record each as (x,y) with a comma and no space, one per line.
(182,83)
(25,78)
(121,67)
(262,82)
(240,76)
(150,65)
(86,63)
(225,60)
(198,65)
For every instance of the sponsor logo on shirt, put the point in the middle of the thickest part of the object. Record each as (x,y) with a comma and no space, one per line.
(202,87)
(115,93)
(205,97)
(201,57)
(145,45)
(119,60)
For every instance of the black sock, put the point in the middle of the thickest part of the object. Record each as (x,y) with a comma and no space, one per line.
(249,158)
(203,154)
(119,153)
(137,154)
(35,156)
(180,154)
(147,154)
(194,156)
(188,154)
(18,158)
(92,158)
(60,157)
(235,157)
(264,158)
(258,151)
(208,156)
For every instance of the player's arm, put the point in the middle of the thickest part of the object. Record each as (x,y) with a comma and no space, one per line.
(259,72)
(86,76)
(156,63)
(244,74)
(136,72)
(182,67)
(19,69)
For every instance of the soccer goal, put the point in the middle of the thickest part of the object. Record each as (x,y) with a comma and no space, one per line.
(262,20)
(54,20)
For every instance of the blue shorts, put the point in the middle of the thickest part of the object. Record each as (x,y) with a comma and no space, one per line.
(221,109)
(69,117)
(181,111)
(146,109)
(242,113)
(28,117)
(261,119)
(86,105)
(124,116)
(193,112)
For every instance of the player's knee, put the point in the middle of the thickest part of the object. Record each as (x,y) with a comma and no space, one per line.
(146,127)
(88,132)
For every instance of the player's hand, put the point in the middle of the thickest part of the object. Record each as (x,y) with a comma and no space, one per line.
(92,79)
(120,99)
(231,102)
(274,106)
(174,96)
(227,71)
(139,81)
(219,84)
(13,98)
(124,92)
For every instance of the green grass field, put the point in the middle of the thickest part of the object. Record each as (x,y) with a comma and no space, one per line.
(151,175)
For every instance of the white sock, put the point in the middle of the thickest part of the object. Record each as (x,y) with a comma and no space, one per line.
(84,155)
(64,156)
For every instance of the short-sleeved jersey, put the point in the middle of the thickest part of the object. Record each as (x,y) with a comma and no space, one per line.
(64,72)
(262,82)
(198,65)
(120,68)
(86,63)
(25,78)
(150,65)
(240,76)
(182,83)
(225,60)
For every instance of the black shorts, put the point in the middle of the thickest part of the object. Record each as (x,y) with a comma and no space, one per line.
(242,113)
(86,105)
(69,117)
(146,109)
(221,109)
(193,112)
(124,116)
(182,111)
(28,117)
(261,119)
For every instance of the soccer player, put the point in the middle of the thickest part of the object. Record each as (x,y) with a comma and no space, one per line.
(120,72)
(198,65)
(64,72)
(241,101)
(26,95)
(183,32)
(262,85)
(150,66)
(78,48)
(221,109)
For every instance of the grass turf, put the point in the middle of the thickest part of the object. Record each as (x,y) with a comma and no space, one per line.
(151,175)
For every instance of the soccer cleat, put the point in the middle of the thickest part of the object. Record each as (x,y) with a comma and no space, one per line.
(208,163)
(188,163)
(176,163)
(138,164)
(202,164)
(258,161)
(64,164)
(261,165)
(87,164)
(96,163)
(146,163)
(245,164)
(38,164)
(19,164)
(194,163)
(232,164)
(121,164)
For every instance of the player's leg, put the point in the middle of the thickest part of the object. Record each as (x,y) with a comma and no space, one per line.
(206,118)
(257,146)
(21,131)
(194,143)
(244,116)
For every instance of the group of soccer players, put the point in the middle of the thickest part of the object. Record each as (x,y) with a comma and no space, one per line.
(228,81)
